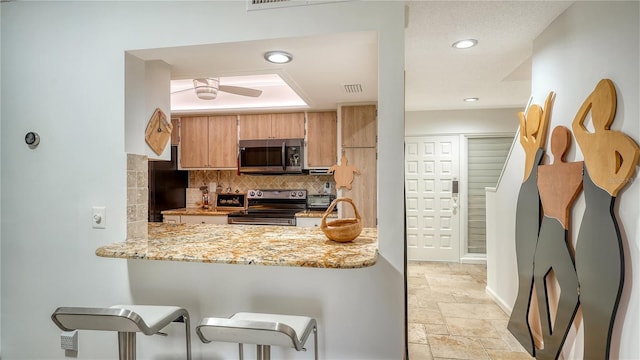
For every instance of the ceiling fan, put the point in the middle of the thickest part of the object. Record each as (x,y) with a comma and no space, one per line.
(207,89)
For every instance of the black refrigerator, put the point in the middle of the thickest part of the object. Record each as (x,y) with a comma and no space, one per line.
(167,186)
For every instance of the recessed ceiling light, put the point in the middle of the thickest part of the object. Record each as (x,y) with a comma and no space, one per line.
(465,44)
(278,57)
(472,99)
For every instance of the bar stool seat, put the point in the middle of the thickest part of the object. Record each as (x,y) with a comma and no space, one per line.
(127,320)
(264,330)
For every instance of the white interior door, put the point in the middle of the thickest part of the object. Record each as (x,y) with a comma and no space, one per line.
(433,226)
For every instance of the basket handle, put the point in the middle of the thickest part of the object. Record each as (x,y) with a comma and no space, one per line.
(335,202)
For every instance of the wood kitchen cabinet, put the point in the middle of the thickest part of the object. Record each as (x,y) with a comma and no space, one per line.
(175,132)
(208,142)
(272,126)
(359,129)
(359,126)
(364,187)
(322,132)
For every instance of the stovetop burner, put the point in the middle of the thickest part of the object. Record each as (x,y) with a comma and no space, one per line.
(271,207)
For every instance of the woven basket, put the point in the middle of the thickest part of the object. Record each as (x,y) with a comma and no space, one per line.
(341,230)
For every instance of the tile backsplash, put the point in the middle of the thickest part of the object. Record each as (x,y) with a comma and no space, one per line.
(230,181)
(138,188)
(137,196)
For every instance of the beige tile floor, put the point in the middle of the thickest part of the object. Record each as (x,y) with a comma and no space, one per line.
(451,317)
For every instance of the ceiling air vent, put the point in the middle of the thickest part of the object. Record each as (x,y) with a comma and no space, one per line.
(353,88)
(273,4)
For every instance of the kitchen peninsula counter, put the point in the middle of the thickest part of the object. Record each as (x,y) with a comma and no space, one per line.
(247,245)
(215,212)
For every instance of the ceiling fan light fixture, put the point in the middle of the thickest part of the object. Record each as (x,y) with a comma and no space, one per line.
(278,57)
(206,89)
(465,44)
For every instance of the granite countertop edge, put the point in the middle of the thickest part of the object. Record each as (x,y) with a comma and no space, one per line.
(247,245)
(224,212)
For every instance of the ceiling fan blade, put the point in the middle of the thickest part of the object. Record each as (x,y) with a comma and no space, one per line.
(182,90)
(240,90)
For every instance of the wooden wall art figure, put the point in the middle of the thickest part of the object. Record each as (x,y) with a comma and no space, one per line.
(533,133)
(559,184)
(610,159)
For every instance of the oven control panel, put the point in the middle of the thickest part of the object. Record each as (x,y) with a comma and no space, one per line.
(297,194)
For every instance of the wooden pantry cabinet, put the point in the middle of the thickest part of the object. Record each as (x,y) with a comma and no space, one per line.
(272,126)
(322,141)
(359,126)
(359,130)
(208,142)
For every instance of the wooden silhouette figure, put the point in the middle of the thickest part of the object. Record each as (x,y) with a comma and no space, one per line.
(559,184)
(610,158)
(343,173)
(533,135)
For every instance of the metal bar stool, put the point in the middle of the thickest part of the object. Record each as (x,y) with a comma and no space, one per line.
(127,320)
(264,330)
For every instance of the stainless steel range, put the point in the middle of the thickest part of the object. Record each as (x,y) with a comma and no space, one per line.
(271,207)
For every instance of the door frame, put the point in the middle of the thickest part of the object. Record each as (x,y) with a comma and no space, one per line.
(464,256)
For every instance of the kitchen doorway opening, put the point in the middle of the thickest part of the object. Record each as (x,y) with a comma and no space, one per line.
(445,181)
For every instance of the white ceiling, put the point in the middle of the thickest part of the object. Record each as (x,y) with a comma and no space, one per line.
(438,77)
(497,70)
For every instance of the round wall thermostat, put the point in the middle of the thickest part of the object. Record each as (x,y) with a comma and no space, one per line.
(32,139)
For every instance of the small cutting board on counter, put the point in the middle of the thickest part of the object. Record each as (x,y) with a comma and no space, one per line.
(158,131)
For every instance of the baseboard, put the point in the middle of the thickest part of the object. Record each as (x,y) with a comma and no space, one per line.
(499,301)
(474,259)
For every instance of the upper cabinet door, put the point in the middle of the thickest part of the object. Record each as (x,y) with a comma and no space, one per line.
(208,142)
(287,126)
(272,126)
(255,126)
(359,126)
(322,130)
(194,142)
(223,147)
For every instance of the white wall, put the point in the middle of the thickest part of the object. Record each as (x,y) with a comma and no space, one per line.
(480,121)
(590,41)
(63,75)
(147,87)
(0,182)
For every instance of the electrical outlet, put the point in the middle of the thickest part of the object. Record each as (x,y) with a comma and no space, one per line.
(99,217)
(69,340)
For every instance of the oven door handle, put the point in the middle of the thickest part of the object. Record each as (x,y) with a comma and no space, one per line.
(284,164)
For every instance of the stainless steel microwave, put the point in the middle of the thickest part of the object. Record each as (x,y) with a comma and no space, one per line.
(271,156)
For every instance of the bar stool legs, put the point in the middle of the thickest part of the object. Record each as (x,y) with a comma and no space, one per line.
(264,351)
(126,345)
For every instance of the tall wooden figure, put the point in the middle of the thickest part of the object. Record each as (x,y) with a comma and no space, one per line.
(610,159)
(559,184)
(533,135)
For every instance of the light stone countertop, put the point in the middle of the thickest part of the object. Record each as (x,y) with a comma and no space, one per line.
(197,211)
(316,214)
(221,212)
(248,245)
